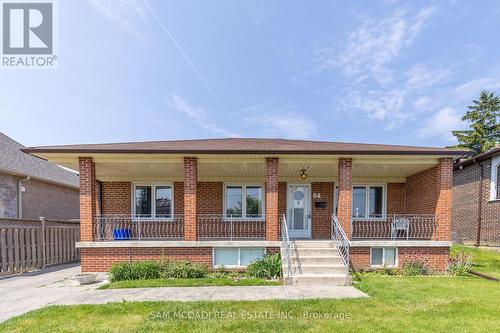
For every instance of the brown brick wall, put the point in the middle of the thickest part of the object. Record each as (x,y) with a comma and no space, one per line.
(116,198)
(178,198)
(435,257)
(101,259)
(466,205)
(321,217)
(210,198)
(396,198)
(430,192)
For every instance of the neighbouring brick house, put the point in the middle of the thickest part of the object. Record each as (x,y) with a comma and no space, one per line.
(228,201)
(31,187)
(476,199)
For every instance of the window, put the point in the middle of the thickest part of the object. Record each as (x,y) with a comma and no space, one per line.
(383,256)
(244,201)
(368,201)
(498,182)
(153,201)
(236,257)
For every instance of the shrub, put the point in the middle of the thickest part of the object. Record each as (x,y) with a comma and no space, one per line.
(387,271)
(139,270)
(175,269)
(268,267)
(459,264)
(414,268)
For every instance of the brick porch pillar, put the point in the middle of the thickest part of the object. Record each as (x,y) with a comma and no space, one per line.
(88,198)
(443,205)
(345,194)
(190,184)
(272,218)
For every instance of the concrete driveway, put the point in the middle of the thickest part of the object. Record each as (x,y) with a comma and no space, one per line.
(54,286)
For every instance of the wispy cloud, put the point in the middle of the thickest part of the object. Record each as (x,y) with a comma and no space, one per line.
(200,116)
(127,14)
(283,121)
(441,124)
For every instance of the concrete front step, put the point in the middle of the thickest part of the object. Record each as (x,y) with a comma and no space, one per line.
(313,251)
(313,260)
(315,244)
(318,269)
(319,280)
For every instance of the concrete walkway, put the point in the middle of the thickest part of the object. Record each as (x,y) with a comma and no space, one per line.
(30,291)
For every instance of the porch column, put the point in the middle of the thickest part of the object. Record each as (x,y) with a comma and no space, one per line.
(190,184)
(272,218)
(345,194)
(88,198)
(443,205)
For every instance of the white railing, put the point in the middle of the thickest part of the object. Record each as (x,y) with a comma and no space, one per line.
(401,226)
(341,241)
(218,226)
(285,245)
(127,227)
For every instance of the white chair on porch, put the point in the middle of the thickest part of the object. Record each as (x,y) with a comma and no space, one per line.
(400,225)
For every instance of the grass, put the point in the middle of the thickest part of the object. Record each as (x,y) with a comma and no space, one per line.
(408,304)
(485,261)
(209,281)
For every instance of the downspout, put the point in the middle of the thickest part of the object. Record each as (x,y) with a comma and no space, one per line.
(480,203)
(20,196)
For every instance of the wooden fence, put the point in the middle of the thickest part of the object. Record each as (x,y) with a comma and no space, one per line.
(34,244)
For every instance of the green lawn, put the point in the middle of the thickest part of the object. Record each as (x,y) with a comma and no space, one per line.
(397,304)
(209,281)
(485,261)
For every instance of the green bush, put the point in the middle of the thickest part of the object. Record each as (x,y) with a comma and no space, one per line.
(175,269)
(459,264)
(140,270)
(268,267)
(414,268)
(387,271)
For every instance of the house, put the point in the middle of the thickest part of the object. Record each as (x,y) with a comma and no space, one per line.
(476,199)
(31,187)
(324,205)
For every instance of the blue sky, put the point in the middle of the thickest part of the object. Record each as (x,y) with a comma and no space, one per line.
(379,72)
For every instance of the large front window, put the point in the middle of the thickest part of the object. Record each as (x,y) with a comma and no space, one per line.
(244,201)
(367,201)
(153,201)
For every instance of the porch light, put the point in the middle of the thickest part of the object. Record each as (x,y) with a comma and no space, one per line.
(303,174)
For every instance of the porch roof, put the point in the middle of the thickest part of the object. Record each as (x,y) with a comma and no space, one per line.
(246,146)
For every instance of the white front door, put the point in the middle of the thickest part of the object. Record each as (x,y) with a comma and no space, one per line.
(299,211)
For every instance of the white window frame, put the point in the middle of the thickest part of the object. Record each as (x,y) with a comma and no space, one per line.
(239,265)
(153,201)
(367,201)
(495,164)
(244,203)
(383,256)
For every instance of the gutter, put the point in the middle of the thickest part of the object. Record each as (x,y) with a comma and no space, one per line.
(20,196)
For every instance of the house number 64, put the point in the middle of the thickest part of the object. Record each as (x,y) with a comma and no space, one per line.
(316,195)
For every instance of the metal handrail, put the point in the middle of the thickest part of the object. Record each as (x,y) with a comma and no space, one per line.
(341,241)
(285,244)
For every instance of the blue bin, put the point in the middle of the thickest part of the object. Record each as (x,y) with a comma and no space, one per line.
(122,234)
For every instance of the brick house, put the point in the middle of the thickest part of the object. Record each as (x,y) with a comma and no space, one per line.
(324,205)
(31,187)
(476,199)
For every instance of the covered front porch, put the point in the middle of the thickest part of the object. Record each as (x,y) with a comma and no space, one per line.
(252,198)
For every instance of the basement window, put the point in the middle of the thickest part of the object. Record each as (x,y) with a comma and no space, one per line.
(383,256)
(236,257)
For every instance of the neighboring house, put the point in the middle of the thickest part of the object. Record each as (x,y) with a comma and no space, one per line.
(31,187)
(228,201)
(476,208)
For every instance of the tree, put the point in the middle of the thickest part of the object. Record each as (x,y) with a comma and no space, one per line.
(483,116)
